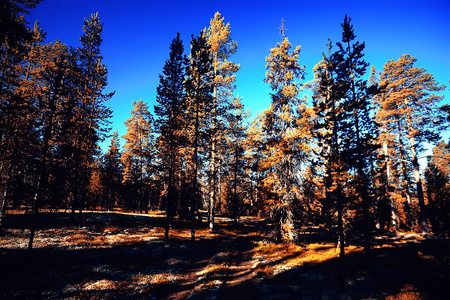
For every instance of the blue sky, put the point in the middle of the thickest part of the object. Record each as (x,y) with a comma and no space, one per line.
(137,34)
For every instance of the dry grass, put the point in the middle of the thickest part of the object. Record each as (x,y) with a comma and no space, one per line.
(275,258)
(408,292)
(123,256)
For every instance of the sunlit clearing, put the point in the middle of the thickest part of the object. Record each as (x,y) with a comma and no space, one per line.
(275,258)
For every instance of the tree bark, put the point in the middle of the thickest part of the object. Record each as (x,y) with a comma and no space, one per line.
(423,219)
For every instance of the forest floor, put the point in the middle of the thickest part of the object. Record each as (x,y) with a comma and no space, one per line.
(124,256)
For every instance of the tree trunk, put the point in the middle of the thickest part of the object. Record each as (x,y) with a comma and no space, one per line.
(4,202)
(392,205)
(423,219)
(406,177)
(341,234)
(212,196)
(235,204)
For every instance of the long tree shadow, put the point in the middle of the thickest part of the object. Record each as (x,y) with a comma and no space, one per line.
(413,271)
(127,270)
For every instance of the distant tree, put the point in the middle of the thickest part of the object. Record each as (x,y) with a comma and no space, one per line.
(199,88)
(111,175)
(254,144)
(138,151)
(410,109)
(236,136)
(170,97)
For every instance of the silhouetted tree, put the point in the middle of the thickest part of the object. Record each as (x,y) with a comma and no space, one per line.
(111,175)
(359,128)
(169,123)
(91,114)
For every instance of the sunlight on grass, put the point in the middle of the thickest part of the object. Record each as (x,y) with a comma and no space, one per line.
(154,279)
(275,258)
(213,270)
(408,292)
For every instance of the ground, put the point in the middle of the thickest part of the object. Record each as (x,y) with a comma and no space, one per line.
(124,256)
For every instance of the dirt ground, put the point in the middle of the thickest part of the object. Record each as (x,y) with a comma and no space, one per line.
(123,256)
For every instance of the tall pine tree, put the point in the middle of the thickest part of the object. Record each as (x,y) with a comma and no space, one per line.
(411,110)
(170,97)
(222,47)
(286,127)
(199,87)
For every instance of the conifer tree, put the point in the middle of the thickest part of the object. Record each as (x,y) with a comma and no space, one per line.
(286,127)
(387,207)
(327,103)
(410,110)
(199,87)
(91,113)
(437,177)
(16,40)
(222,47)
(138,151)
(359,129)
(111,175)
(45,85)
(254,144)
(236,136)
(169,122)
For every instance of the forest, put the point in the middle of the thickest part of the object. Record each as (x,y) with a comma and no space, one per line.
(326,184)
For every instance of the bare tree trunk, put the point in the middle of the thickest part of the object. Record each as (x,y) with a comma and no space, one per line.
(423,219)
(341,235)
(392,205)
(212,196)
(406,177)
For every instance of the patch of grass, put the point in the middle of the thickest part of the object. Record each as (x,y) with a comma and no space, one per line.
(408,292)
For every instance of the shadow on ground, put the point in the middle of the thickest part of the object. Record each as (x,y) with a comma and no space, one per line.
(220,267)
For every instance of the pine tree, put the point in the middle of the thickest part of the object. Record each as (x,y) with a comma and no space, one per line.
(254,146)
(91,113)
(169,122)
(45,85)
(199,87)
(16,39)
(359,129)
(410,109)
(387,207)
(327,103)
(112,170)
(236,136)
(222,47)
(286,127)
(437,177)
(138,151)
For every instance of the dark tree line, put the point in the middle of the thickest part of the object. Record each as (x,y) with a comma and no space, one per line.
(52,114)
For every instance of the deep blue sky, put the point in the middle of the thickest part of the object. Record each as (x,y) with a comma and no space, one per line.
(137,34)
